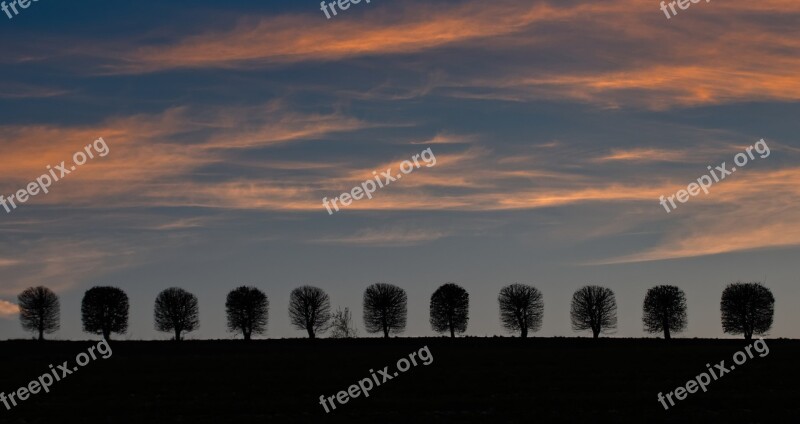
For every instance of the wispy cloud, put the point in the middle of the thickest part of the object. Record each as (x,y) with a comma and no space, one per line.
(28,91)
(8,262)
(149,161)
(8,309)
(401,29)
(216,157)
(645,155)
(711,58)
(446,138)
(738,215)
(387,237)
(63,263)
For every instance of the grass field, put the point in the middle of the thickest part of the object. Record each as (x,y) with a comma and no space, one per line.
(481,380)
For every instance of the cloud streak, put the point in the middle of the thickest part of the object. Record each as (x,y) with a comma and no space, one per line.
(713,56)
(8,309)
(149,167)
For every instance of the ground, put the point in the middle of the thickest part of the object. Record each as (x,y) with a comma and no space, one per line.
(481,380)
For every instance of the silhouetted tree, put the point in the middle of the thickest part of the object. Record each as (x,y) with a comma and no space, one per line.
(176,311)
(385,309)
(747,308)
(248,310)
(521,308)
(39,310)
(342,325)
(664,310)
(309,309)
(594,307)
(450,309)
(104,310)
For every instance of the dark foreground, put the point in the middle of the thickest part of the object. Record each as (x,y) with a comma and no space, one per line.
(481,380)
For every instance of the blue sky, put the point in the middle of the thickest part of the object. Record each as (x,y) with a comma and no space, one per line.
(556,127)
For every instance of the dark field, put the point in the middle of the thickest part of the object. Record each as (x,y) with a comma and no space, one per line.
(470,380)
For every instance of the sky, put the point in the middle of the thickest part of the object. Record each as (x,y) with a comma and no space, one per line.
(555,125)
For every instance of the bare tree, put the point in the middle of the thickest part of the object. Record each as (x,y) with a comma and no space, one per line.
(310,309)
(664,310)
(248,310)
(176,311)
(385,309)
(747,308)
(342,325)
(521,308)
(450,309)
(39,310)
(104,310)
(594,308)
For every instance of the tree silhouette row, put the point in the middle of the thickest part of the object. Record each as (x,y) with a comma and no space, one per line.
(746,308)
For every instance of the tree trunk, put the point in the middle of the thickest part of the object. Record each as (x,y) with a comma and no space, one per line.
(385,332)
(177,335)
(666,332)
(310,332)
(41,333)
(107,334)
(246,335)
(524,333)
(452,332)
(595,333)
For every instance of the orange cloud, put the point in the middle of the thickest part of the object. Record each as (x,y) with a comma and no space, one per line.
(144,165)
(8,309)
(705,225)
(711,56)
(293,38)
(145,168)
(648,154)
(393,236)
(664,86)
(643,155)
(744,212)
(714,55)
